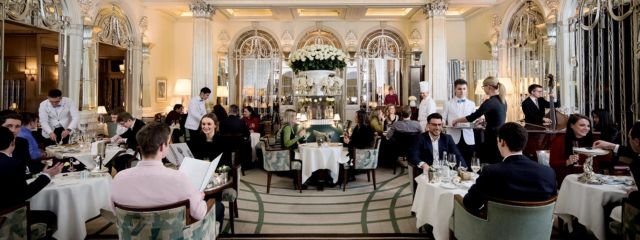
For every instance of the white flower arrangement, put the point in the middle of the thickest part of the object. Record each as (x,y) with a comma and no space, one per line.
(317,57)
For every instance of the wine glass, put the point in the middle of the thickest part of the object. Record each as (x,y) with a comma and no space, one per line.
(475,165)
(451,161)
(576,144)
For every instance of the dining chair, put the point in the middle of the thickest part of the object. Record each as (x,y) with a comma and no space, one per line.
(363,159)
(508,219)
(630,220)
(171,221)
(14,224)
(279,160)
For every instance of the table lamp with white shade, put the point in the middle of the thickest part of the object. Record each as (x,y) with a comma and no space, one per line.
(222,92)
(101,111)
(182,89)
(336,119)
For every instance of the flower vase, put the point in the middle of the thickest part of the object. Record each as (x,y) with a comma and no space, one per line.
(317,77)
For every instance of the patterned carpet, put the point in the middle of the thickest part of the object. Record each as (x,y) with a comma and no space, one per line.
(359,210)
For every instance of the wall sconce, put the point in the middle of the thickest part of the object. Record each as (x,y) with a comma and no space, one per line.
(415,38)
(121,68)
(30,73)
(56,58)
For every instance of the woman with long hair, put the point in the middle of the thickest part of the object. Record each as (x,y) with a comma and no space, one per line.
(603,123)
(288,136)
(376,121)
(390,116)
(562,157)
(206,145)
(251,119)
(362,135)
(494,110)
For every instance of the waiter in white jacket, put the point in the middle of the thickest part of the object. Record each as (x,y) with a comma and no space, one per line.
(427,104)
(58,117)
(457,107)
(197,109)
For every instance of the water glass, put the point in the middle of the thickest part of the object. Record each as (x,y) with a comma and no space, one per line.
(475,165)
(451,161)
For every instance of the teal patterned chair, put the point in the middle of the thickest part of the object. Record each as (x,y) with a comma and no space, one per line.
(630,221)
(14,224)
(279,160)
(364,159)
(507,219)
(163,222)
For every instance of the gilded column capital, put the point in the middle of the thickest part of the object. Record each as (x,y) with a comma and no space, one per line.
(201,9)
(435,8)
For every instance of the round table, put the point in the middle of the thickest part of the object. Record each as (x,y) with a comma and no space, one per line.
(328,156)
(585,201)
(85,154)
(74,200)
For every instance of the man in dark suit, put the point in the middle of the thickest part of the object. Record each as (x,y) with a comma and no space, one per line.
(15,189)
(233,125)
(235,137)
(422,154)
(516,178)
(632,151)
(534,106)
(13,122)
(132,125)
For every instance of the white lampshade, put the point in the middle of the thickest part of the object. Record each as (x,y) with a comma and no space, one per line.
(183,87)
(101,110)
(303,117)
(479,90)
(222,91)
(507,84)
(336,117)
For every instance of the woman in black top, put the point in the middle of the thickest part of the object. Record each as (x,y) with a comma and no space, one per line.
(603,123)
(206,145)
(362,135)
(494,110)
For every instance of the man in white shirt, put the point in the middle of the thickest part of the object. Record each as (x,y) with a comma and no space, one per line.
(197,109)
(459,106)
(427,104)
(58,117)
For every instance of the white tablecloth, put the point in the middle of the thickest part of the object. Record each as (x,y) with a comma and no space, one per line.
(74,201)
(255,138)
(585,202)
(83,154)
(328,156)
(433,205)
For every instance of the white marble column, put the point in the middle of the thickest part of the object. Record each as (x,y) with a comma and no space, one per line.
(72,62)
(202,71)
(436,49)
(89,76)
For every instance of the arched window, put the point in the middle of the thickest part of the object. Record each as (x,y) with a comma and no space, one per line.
(382,59)
(258,66)
(319,37)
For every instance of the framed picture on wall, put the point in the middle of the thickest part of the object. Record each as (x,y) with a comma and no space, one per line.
(161,90)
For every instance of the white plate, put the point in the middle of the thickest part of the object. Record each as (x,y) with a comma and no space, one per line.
(591,151)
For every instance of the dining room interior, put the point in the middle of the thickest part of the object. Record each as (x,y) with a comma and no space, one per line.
(334,119)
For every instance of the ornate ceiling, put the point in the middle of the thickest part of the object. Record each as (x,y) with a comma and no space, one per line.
(313,10)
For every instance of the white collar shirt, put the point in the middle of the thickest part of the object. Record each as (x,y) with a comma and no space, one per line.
(456,108)
(65,115)
(434,146)
(197,109)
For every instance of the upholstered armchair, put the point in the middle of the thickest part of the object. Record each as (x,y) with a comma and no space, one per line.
(164,222)
(363,159)
(629,228)
(279,160)
(508,219)
(14,224)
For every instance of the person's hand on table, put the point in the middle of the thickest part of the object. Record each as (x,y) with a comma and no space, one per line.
(302,132)
(52,171)
(425,168)
(546,121)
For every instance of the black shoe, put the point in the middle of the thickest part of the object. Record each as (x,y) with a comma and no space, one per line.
(305,186)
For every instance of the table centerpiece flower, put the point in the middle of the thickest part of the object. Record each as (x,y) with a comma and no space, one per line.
(318,63)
